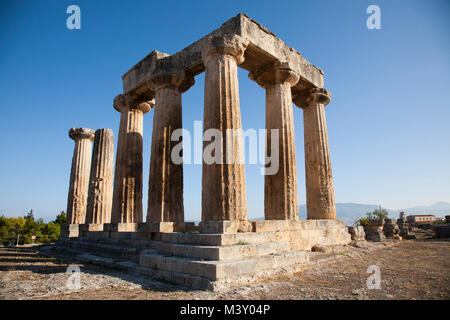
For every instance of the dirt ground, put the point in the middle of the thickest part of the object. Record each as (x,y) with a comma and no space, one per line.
(410,269)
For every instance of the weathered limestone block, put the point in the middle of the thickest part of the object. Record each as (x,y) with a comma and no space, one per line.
(320,201)
(223,183)
(391,228)
(301,234)
(404,227)
(223,270)
(70,230)
(101,179)
(92,231)
(442,231)
(79,175)
(271,225)
(127,193)
(357,232)
(223,253)
(157,227)
(121,227)
(225,226)
(165,186)
(374,230)
(375,236)
(323,234)
(263,48)
(280,188)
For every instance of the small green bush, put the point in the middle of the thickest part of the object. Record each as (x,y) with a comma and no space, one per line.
(372,217)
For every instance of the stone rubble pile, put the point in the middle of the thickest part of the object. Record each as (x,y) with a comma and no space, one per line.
(374,231)
(404,227)
(391,229)
(442,231)
(357,232)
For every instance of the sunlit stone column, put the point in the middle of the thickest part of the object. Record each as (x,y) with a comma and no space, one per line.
(101,181)
(79,178)
(223,184)
(165,186)
(280,186)
(320,201)
(127,193)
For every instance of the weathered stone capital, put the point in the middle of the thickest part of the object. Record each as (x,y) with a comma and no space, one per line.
(126,102)
(310,96)
(178,80)
(234,46)
(274,73)
(81,133)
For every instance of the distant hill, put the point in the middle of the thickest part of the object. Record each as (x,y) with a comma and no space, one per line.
(439,209)
(344,211)
(349,211)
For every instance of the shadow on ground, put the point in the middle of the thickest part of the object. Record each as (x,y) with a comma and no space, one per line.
(30,259)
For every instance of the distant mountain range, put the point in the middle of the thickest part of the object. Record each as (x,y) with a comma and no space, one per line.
(438,209)
(349,211)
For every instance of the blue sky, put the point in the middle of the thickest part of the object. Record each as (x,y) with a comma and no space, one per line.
(388,120)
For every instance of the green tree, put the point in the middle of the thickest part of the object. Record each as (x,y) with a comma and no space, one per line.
(29,216)
(21,229)
(31,227)
(4,229)
(61,218)
(51,232)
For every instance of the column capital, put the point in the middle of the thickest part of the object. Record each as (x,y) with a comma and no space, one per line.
(234,46)
(310,96)
(81,133)
(277,72)
(176,79)
(129,102)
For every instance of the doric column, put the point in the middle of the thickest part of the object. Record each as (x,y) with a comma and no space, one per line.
(223,184)
(79,175)
(127,193)
(165,185)
(101,178)
(320,201)
(280,187)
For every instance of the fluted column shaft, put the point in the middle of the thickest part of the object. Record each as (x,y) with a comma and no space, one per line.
(127,193)
(223,184)
(101,178)
(79,175)
(320,199)
(165,186)
(280,188)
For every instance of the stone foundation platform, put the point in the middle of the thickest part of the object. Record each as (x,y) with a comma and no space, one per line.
(207,260)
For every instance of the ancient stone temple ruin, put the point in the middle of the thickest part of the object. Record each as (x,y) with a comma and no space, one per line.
(106,216)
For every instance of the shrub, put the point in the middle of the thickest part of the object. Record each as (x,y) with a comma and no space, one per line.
(373,217)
